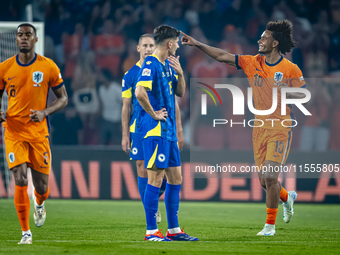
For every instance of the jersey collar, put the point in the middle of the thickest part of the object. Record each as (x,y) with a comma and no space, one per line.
(274,63)
(157,58)
(138,64)
(30,63)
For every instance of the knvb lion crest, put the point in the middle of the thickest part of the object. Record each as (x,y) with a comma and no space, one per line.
(38,77)
(278,76)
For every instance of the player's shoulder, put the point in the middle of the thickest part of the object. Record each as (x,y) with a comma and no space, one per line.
(8,62)
(290,65)
(45,60)
(133,71)
(150,60)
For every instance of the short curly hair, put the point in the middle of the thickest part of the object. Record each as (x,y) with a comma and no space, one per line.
(164,32)
(282,32)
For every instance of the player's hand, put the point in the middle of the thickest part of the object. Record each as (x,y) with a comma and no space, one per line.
(37,116)
(2,118)
(188,40)
(174,63)
(282,85)
(180,139)
(126,144)
(162,114)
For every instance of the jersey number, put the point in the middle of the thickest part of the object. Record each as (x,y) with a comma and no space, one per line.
(12,91)
(258,80)
(170,87)
(279,146)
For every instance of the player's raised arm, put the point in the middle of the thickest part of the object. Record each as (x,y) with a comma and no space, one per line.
(216,53)
(174,63)
(143,99)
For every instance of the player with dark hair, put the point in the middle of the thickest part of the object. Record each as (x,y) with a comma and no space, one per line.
(131,140)
(160,79)
(271,142)
(27,78)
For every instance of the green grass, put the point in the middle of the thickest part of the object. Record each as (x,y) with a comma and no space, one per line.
(118,227)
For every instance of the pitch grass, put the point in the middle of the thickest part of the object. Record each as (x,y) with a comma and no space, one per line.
(118,227)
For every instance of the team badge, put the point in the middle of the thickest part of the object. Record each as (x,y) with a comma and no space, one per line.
(278,76)
(148,62)
(146,72)
(161,157)
(134,151)
(11,157)
(38,77)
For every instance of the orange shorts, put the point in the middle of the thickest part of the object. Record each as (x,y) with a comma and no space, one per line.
(271,144)
(37,155)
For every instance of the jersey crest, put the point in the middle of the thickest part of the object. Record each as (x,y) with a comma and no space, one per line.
(38,77)
(278,76)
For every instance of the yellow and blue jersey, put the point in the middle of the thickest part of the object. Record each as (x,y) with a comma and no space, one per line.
(128,91)
(160,79)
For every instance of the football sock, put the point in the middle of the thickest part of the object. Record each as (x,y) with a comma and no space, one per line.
(271,215)
(151,206)
(27,232)
(22,205)
(41,198)
(172,204)
(142,182)
(162,188)
(283,195)
(174,230)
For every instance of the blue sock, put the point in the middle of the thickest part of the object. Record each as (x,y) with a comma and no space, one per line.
(172,204)
(151,206)
(142,182)
(162,188)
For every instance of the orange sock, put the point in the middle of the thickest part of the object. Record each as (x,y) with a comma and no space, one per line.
(283,194)
(41,198)
(271,215)
(22,205)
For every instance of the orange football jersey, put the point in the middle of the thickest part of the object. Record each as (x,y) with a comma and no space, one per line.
(263,77)
(27,87)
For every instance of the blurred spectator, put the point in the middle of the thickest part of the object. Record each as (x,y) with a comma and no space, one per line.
(109,45)
(132,57)
(85,98)
(39,8)
(110,94)
(335,118)
(315,132)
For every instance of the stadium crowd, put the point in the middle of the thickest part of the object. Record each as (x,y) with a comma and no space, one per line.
(94,44)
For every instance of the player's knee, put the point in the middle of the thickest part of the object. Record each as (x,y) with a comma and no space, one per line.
(41,188)
(21,180)
(141,171)
(270,182)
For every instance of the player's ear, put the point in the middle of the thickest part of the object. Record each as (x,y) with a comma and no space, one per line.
(138,48)
(275,43)
(36,39)
(169,44)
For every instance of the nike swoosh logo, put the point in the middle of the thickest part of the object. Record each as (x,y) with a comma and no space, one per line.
(11,78)
(258,70)
(275,156)
(22,211)
(43,166)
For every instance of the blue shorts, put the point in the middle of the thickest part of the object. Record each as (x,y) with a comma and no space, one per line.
(136,151)
(160,151)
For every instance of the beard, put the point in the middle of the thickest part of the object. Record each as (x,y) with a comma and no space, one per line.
(24,50)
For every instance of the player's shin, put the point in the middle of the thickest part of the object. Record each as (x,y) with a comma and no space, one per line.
(41,198)
(142,183)
(283,194)
(172,205)
(151,198)
(22,205)
(163,187)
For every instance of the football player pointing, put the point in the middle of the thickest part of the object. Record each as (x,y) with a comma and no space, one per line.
(27,78)
(271,143)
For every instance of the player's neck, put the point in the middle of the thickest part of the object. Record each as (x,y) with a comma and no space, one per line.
(161,54)
(272,57)
(141,61)
(25,58)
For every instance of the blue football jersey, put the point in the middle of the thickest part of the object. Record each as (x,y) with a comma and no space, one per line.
(160,79)
(128,91)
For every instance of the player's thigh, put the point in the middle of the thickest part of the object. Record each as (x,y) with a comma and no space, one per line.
(259,146)
(17,152)
(156,153)
(278,146)
(40,156)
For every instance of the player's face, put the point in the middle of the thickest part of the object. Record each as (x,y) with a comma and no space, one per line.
(174,46)
(25,39)
(266,42)
(146,47)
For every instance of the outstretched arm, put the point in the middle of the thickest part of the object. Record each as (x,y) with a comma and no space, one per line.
(216,53)
(57,105)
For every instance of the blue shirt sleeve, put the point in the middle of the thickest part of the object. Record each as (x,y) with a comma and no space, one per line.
(146,74)
(127,85)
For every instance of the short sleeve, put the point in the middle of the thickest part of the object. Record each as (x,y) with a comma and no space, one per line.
(56,81)
(244,62)
(296,78)
(126,85)
(146,74)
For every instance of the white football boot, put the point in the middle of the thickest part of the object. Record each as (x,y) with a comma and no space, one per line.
(288,210)
(158,217)
(26,239)
(39,214)
(268,230)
